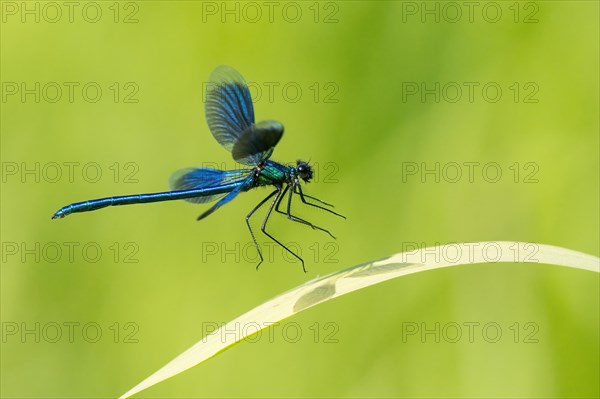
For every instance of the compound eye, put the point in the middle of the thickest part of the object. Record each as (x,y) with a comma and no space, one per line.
(304,170)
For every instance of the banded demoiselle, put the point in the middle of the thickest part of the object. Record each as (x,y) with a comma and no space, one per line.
(230,116)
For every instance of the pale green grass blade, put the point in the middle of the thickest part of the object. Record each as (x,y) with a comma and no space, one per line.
(354,278)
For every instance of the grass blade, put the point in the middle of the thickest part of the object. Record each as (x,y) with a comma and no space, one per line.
(364,275)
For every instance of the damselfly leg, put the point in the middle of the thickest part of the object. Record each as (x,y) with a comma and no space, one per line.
(264,229)
(303,197)
(294,217)
(279,193)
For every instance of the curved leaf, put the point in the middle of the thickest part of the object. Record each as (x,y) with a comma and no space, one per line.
(325,288)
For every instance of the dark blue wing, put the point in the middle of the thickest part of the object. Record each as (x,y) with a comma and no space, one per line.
(230,117)
(257,142)
(198,178)
(228,106)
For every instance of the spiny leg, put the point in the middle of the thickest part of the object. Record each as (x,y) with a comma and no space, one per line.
(318,200)
(295,218)
(280,199)
(302,197)
(289,213)
(264,228)
(261,203)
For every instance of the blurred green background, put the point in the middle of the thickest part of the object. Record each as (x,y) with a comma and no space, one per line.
(341,75)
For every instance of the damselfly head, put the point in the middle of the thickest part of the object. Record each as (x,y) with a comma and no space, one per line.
(304,170)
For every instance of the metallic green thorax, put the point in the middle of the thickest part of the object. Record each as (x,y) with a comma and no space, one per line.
(274,173)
